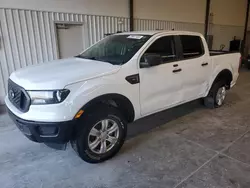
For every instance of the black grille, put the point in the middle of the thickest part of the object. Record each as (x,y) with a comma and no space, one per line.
(18,96)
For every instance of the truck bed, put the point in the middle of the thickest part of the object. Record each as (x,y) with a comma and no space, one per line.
(227,60)
(220,52)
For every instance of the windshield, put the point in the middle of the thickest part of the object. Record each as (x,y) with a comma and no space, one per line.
(115,49)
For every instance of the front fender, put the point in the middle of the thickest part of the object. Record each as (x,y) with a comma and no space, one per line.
(84,92)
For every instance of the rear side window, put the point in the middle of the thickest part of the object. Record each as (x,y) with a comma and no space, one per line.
(192,46)
(165,47)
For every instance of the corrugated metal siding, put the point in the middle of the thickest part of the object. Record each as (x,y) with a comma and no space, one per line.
(143,24)
(2,68)
(222,33)
(29,37)
(98,26)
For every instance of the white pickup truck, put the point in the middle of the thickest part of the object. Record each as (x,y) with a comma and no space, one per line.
(89,99)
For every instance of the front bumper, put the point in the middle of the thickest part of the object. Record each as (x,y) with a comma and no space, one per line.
(47,113)
(45,132)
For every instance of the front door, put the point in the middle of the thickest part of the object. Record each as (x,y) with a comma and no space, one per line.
(160,86)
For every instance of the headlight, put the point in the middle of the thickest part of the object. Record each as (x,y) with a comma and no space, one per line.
(48,97)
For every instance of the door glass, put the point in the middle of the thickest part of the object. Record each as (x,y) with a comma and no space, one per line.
(192,46)
(164,47)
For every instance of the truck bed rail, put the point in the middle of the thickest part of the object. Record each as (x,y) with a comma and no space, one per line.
(221,52)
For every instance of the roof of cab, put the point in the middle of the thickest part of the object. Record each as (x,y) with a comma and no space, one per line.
(175,32)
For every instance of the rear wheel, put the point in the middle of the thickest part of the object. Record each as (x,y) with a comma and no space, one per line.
(101,135)
(216,95)
(220,96)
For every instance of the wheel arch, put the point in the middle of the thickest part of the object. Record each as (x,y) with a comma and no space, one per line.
(226,75)
(117,100)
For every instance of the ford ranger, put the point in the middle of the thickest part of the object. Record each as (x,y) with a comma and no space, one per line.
(88,100)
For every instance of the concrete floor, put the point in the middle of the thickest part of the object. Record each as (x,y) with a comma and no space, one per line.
(185,147)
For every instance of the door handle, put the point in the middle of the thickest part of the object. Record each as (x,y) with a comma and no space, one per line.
(204,64)
(175,65)
(177,70)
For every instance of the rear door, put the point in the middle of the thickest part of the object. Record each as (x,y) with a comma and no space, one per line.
(160,86)
(195,65)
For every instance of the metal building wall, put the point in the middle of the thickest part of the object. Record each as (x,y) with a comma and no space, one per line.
(28,37)
(145,24)
(222,33)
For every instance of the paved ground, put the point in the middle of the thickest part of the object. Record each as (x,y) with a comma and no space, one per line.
(186,147)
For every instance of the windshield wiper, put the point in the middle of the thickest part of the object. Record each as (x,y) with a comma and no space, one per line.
(84,57)
(93,58)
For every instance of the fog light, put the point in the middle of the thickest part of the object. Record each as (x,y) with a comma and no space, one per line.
(48,131)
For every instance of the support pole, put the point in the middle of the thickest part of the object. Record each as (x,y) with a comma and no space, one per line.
(243,44)
(131,15)
(207,18)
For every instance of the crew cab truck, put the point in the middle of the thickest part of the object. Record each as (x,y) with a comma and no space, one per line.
(89,99)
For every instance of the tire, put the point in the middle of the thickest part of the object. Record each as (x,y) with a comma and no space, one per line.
(211,101)
(89,125)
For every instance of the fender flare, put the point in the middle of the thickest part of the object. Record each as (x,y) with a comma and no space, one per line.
(223,74)
(114,99)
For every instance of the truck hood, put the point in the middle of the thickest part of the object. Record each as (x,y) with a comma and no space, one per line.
(59,73)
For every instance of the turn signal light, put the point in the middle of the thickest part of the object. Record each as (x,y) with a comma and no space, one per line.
(79,114)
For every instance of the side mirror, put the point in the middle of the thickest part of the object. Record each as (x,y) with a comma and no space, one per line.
(151,60)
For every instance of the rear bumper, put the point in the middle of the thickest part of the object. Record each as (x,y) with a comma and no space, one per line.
(45,132)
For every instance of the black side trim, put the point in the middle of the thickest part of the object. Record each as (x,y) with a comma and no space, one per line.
(221,52)
(178,47)
(121,101)
(133,79)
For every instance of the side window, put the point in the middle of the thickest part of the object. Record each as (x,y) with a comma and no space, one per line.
(192,46)
(164,47)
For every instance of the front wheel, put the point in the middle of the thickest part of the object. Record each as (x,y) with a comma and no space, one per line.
(102,134)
